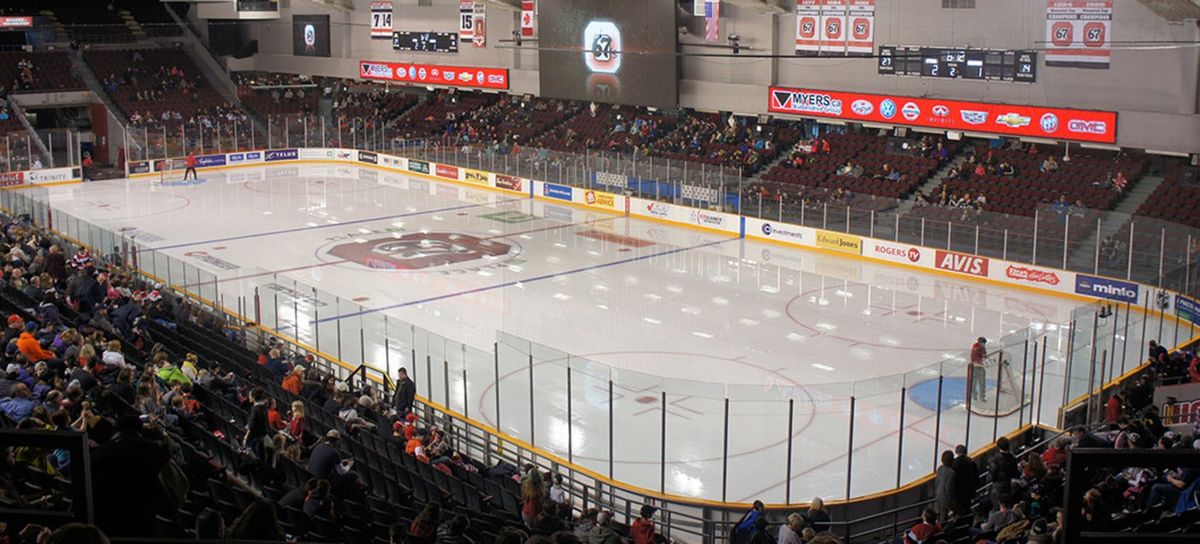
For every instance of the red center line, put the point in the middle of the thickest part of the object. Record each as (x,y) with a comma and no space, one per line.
(344,261)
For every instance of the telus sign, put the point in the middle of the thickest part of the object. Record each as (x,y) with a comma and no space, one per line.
(1106,288)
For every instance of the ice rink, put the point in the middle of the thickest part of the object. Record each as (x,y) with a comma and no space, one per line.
(650,307)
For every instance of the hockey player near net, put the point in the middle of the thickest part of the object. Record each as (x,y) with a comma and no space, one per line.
(976,371)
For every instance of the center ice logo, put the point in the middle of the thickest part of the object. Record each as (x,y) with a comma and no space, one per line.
(419,251)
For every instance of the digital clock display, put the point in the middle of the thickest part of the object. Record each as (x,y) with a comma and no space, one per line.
(440,42)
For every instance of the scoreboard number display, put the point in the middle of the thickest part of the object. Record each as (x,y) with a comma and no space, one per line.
(955,63)
(439,42)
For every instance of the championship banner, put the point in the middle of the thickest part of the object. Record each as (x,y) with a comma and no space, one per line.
(833,27)
(1007,119)
(381,20)
(479,36)
(861,21)
(466,20)
(1078,33)
(528,16)
(808,24)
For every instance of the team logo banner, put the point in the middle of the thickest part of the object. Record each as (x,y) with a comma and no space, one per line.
(381,20)
(808,27)
(833,27)
(1007,119)
(479,33)
(431,74)
(860,27)
(1078,33)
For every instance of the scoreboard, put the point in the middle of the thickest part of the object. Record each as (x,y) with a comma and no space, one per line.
(958,63)
(441,42)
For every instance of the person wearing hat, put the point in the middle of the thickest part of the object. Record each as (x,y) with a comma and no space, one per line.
(31,348)
(16,326)
(325,458)
(976,373)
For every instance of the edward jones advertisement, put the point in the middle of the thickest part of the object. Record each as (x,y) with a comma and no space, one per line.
(837,241)
(1007,119)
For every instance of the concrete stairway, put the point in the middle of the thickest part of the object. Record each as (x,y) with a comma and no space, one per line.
(1084,256)
(931,183)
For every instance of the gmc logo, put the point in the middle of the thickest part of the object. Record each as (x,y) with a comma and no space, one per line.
(1087,127)
(965,264)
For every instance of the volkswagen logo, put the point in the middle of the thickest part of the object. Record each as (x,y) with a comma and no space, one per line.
(887,108)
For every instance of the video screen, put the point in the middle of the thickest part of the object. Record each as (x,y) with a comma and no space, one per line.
(615,51)
(310,35)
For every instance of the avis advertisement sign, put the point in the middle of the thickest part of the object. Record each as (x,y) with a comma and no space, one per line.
(961,263)
(1111,289)
(1007,119)
(432,74)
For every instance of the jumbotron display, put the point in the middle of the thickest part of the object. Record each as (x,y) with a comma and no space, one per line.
(608,51)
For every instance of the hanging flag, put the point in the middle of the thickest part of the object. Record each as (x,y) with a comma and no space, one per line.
(528,15)
(466,20)
(381,19)
(712,21)
(833,27)
(1078,33)
(480,31)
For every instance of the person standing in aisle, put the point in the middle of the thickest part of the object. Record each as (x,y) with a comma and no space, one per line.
(406,393)
(977,375)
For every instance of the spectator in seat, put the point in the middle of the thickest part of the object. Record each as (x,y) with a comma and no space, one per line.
(1114,407)
(1086,439)
(642,529)
(925,530)
(295,427)
(1002,517)
(1119,182)
(817,516)
(424,527)
(294,380)
(31,348)
(601,532)
(325,459)
(257,522)
(1167,490)
(19,406)
(1049,165)
(454,531)
(845,169)
(980,170)
(1005,169)
(745,526)
(406,392)
(792,531)
(210,525)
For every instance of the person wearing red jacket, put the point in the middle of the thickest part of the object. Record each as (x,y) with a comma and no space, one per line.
(191,165)
(642,529)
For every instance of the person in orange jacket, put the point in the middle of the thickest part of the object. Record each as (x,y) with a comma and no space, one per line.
(294,380)
(642,529)
(29,346)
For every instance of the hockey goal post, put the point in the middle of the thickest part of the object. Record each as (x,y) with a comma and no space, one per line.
(171,173)
(999,392)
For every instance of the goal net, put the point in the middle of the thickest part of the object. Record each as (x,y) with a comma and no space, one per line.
(171,175)
(997,392)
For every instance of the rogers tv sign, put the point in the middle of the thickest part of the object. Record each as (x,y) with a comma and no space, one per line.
(1006,119)
(431,74)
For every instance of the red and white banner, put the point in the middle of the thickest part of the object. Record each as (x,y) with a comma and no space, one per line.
(808,27)
(712,21)
(381,20)
(479,34)
(860,24)
(1006,119)
(16,22)
(1078,33)
(430,74)
(833,27)
(528,18)
(466,20)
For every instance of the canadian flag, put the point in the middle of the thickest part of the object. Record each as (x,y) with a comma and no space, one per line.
(528,16)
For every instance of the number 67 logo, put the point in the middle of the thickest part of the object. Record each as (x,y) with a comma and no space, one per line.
(1094,34)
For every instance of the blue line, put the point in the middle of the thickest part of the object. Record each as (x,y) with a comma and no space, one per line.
(529,280)
(330,225)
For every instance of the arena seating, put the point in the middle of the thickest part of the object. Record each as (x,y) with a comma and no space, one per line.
(1181,184)
(516,120)
(277,101)
(51,71)
(1080,180)
(871,152)
(441,114)
(185,93)
(708,138)
(623,130)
